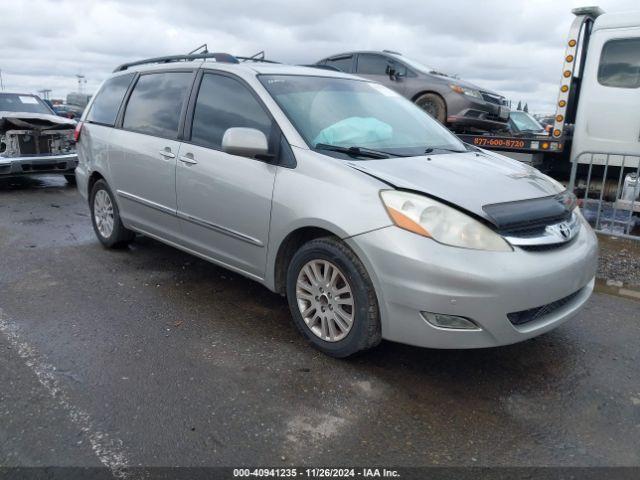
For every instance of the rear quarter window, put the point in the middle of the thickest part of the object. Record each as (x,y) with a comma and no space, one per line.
(344,64)
(620,63)
(107,102)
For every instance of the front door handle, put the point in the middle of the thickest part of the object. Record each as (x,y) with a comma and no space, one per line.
(188,158)
(166,153)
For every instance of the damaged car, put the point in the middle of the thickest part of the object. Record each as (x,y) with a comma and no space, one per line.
(371,218)
(33,139)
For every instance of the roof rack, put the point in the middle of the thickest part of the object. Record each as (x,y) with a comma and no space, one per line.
(219,57)
(256,57)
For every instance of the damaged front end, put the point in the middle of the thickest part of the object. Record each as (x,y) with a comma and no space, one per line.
(36,143)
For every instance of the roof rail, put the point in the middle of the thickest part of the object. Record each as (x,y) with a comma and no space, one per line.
(218,57)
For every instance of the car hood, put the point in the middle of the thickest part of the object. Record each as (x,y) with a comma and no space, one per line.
(36,121)
(470,181)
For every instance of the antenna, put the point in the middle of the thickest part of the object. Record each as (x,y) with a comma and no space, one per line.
(82,81)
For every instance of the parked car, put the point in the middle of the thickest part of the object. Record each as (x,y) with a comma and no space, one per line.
(68,111)
(456,103)
(523,123)
(372,218)
(33,139)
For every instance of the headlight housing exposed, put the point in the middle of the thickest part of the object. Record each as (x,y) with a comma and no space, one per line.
(430,218)
(466,91)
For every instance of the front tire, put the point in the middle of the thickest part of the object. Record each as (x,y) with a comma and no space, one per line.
(105,217)
(434,105)
(332,299)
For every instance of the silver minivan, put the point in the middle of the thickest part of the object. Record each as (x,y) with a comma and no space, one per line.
(372,218)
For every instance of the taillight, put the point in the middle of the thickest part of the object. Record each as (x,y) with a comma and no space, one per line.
(76,132)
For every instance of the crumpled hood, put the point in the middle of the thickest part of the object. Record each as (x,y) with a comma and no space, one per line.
(36,121)
(468,180)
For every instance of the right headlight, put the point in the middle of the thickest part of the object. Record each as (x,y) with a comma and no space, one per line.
(430,218)
(466,91)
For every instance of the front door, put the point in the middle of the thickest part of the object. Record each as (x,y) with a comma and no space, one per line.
(378,67)
(224,201)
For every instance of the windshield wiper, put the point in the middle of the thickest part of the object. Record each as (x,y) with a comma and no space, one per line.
(443,149)
(355,151)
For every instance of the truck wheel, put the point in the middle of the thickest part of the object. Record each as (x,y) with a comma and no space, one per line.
(332,299)
(434,105)
(106,217)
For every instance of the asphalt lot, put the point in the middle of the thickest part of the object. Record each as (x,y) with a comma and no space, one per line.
(152,357)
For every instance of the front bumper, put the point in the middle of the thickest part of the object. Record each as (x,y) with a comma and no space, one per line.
(28,165)
(469,113)
(413,274)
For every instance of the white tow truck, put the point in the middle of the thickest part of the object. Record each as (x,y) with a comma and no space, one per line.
(595,140)
(598,105)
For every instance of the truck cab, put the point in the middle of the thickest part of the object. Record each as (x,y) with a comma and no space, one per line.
(608,110)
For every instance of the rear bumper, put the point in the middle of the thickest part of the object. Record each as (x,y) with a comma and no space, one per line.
(413,274)
(28,165)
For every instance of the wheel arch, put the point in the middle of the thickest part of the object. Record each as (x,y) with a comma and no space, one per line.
(289,246)
(433,92)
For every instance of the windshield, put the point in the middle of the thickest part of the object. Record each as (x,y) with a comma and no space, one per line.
(524,121)
(12,102)
(345,112)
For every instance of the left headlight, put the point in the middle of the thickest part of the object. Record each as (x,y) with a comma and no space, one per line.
(430,218)
(466,91)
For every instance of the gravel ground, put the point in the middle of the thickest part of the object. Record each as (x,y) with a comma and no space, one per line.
(619,261)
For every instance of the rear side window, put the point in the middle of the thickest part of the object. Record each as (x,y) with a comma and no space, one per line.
(107,102)
(372,64)
(620,63)
(156,103)
(344,64)
(224,103)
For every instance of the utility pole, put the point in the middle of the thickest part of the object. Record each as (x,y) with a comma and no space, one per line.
(45,93)
(81,82)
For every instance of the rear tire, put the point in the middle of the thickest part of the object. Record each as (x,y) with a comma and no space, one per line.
(332,299)
(105,217)
(434,105)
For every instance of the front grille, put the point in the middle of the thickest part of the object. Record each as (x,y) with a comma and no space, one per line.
(496,100)
(34,144)
(532,314)
(28,144)
(543,248)
(533,227)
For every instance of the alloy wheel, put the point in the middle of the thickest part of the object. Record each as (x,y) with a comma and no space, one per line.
(325,300)
(103,213)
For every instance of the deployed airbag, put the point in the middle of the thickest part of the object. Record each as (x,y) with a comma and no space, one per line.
(355,131)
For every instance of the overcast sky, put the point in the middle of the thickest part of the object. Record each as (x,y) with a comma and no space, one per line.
(514,47)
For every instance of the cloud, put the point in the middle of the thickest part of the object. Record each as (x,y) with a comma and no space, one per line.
(514,47)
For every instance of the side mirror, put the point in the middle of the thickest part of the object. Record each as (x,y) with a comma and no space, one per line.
(245,142)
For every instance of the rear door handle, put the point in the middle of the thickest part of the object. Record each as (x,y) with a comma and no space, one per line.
(188,158)
(167,154)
